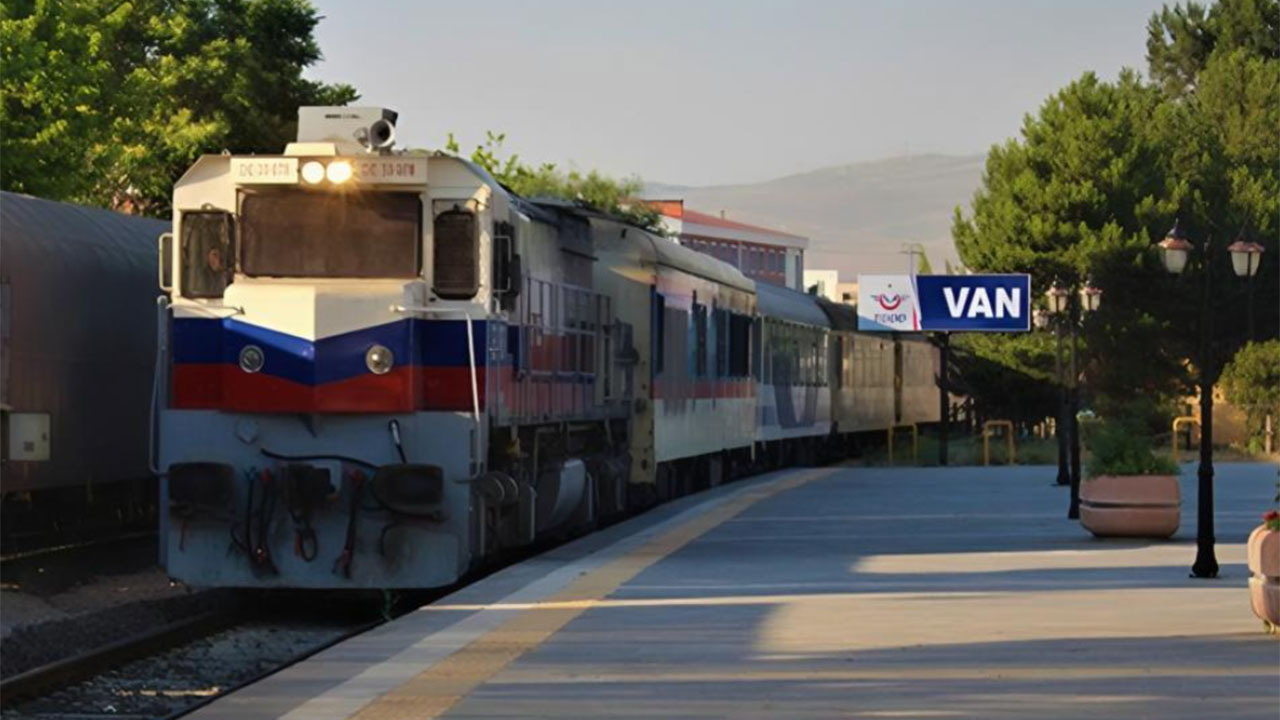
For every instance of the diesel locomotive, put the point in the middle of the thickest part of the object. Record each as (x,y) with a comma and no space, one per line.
(380,368)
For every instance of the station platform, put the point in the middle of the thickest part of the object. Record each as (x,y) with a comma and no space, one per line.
(841,592)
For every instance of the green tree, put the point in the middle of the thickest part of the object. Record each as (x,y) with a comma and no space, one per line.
(1252,381)
(1182,39)
(1101,171)
(1065,202)
(618,197)
(107,102)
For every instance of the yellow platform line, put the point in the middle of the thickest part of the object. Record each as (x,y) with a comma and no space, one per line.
(433,691)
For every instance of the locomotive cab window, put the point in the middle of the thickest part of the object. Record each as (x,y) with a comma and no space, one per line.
(301,233)
(208,253)
(455,254)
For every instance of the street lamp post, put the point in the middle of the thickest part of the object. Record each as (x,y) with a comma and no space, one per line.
(1086,301)
(1089,298)
(1069,309)
(1058,299)
(1245,259)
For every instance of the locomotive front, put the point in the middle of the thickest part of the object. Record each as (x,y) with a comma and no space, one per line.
(321,372)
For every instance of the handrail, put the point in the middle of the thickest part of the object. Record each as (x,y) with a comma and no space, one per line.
(986,439)
(162,346)
(915,441)
(1181,420)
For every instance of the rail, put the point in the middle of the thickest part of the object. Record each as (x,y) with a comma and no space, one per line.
(987,434)
(69,670)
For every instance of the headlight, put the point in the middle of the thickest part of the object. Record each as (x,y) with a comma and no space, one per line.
(339,172)
(312,171)
(379,359)
(251,358)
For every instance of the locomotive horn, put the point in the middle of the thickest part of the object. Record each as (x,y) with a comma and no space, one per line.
(382,135)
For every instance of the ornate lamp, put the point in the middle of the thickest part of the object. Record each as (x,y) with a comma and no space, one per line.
(1175,248)
(1246,256)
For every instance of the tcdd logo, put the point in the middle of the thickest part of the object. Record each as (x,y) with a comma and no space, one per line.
(890,301)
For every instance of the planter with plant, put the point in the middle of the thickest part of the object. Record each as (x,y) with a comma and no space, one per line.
(1130,491)
(1264,569)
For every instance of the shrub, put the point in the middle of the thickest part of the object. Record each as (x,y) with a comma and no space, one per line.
(1123,447)
(1251,381)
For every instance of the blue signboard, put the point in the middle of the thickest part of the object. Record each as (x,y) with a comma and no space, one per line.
(944,303)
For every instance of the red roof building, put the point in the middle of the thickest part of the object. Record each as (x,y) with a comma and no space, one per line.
(762,254)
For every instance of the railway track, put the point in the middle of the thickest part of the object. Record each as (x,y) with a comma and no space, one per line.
(173,670)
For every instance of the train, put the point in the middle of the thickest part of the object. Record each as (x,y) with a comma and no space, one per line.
(382,369)
(77,352)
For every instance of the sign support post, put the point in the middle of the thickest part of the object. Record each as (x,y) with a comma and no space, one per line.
(944,397)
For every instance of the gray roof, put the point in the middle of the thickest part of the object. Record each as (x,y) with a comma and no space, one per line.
(788,304)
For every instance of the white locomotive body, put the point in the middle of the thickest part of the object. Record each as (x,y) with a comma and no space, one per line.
(378,369)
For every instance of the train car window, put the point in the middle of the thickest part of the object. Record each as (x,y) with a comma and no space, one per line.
(767,340)
(757,349)
(569,332)
(590,310)
(837,348)
(302,233)
(454,255)
(739,345)
(779,339)
(700,340)
(811,358)
(587,321)
(770,331)
(823,353)
(208,253)
(659,341)
(607,329)
(721,317)
(802,361)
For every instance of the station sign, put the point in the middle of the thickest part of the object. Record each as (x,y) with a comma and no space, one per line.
(944,303)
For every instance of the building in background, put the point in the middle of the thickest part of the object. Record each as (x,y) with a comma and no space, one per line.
(848,292)
(822,283)
(826,283)
(764,255)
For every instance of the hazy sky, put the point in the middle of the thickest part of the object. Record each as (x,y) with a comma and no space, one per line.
(701,91)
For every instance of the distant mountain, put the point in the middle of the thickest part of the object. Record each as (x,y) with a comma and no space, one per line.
(856,216)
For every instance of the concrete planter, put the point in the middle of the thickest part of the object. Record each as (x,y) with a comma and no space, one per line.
(1264,575)
(1131,505)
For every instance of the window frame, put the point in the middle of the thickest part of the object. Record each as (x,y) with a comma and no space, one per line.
(232,255)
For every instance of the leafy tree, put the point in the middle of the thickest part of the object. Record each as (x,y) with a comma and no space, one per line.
(1181,40)
(107,102)
(1252,381)
(1101,171)
(593,190)
(1009,378)
(1065,202)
